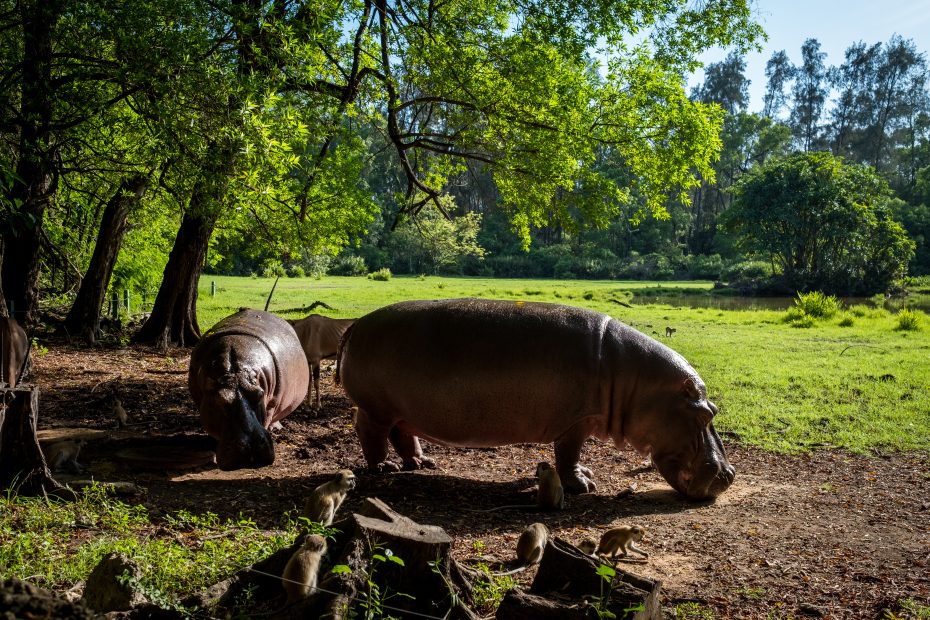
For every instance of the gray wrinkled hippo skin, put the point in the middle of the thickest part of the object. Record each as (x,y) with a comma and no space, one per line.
(246,373)
(482,373)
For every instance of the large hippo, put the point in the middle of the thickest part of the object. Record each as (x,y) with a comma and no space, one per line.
(247,373)
(481,373)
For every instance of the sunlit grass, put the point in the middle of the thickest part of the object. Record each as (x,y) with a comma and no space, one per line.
(56,543)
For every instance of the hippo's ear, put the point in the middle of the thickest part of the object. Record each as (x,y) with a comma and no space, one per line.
(691,389)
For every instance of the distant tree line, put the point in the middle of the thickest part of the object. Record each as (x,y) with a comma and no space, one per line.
(868,118)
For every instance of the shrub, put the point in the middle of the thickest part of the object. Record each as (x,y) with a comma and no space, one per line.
(746,270)
(348,265)
(705,267)
(272,268)
(909,320)
(296,271)
(817,305)
(382,275)
(847,320)
(316,265)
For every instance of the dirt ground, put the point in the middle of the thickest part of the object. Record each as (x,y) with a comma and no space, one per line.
(828,534)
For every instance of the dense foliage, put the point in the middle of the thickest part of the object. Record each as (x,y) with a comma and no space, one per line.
(825,225)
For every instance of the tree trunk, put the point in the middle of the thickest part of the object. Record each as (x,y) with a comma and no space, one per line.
(22,465)
(34,183)
(84,317)
(174,314)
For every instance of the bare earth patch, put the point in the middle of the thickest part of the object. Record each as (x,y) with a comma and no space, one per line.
(826,534)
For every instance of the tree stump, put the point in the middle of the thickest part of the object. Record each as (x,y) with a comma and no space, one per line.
(22,465)
(428,581)
(567,584)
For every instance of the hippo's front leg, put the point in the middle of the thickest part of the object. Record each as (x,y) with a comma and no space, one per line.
(575,477)
(408,447)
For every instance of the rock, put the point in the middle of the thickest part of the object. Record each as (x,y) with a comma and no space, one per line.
(107,590)
(19,599)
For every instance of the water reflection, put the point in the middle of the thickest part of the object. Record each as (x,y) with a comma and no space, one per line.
(771,303)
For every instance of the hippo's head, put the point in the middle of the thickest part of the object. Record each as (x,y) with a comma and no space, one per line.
(234,414)
(678,432)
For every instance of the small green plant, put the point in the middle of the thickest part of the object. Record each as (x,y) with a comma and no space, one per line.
(797,317)
(909,320)
(490,591)
(847,320)
(382,275)
(372,599)
(38,348)
(692,611)
(817,305)
(908,609)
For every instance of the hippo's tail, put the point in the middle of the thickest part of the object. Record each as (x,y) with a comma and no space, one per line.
(343,341)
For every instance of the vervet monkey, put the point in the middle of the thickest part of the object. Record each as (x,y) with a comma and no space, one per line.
(303,569)
(669,331)
(621,539)
(549,494)
(64,453)
(587,546)
(325,500)
(530,547)
(119,413)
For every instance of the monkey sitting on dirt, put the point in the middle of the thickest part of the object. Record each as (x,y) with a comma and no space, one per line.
(302,571)
(62,456)
(621,539)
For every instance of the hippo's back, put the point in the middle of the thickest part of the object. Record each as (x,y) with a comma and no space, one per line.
(477,372)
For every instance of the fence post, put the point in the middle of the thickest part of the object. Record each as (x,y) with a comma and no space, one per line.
(114,305)
(126,300)
(213,288)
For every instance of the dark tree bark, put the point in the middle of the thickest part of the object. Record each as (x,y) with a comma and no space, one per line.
(174,314)
(22,465)
(35,181)
(84,317)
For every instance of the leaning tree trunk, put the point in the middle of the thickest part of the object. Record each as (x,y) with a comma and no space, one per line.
(34,181)
(84,317)
(174,313)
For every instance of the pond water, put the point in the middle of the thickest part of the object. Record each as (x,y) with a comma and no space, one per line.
(722,302)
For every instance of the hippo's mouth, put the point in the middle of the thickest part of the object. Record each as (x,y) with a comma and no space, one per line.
(243,442)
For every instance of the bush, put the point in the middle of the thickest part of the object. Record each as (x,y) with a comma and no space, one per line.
(817,305)
(316,265)
(909,320)
(272,268)
(348,265)
(296,271)
(847,320)
(382,275)
(745,270)
(704,267)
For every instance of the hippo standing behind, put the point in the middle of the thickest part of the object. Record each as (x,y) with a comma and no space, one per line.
(319,336)
(247,373)
(481,373)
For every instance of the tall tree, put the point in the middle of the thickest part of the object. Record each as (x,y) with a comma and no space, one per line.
(809,95)
(778,74)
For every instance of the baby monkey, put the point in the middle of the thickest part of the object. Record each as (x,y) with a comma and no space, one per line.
(587,546)
(119,413)
(62,456)
(621,539)
(303,569)
(530,547)
(549,495)
(325,500)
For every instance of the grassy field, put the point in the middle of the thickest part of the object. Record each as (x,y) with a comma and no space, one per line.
(860,386)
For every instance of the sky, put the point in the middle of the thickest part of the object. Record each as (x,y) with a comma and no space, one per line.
(835,23)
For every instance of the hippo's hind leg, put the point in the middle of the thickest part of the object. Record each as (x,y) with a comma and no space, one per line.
(408,447)
(575,477)
(374,440)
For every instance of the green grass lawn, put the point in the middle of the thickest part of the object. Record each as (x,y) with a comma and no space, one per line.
(863,387)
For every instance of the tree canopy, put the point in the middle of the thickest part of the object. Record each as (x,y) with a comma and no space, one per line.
(826,224)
